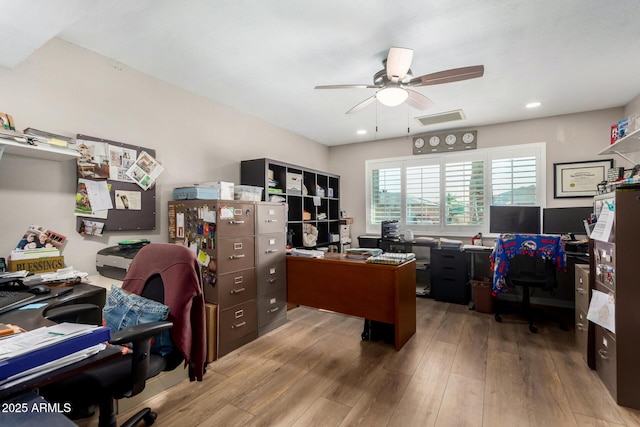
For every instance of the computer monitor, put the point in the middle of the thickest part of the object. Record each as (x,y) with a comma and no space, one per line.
(565,220)
(514,219)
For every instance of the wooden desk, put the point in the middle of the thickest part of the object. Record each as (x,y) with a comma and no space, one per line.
(384,293)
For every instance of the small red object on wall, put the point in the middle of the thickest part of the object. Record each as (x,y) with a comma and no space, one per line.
(614,133)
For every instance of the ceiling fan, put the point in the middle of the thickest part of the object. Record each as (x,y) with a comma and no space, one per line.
(396,80)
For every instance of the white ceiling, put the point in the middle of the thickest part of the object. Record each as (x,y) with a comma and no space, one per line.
(264,57)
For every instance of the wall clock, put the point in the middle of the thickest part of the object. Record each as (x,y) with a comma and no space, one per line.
(450,139)
(468,137)
(418,142)
(434,141)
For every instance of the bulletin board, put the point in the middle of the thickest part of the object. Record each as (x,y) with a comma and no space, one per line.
(135,212)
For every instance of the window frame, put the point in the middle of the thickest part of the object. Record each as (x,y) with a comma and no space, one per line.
(487,155)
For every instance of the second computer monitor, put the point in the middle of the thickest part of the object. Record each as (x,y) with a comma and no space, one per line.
(514,219)
(565,220)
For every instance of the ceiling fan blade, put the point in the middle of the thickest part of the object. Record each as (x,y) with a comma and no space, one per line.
(362,86)
(448,76)
(418,100)
(362,105)
(398,63)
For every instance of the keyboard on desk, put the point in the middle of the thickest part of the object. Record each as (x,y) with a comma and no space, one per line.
(11,299)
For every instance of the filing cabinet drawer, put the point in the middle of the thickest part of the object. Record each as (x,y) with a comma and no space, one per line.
(235,254)
(606,359)
(236,287)
(238,321)
(449,258)
(272,307)
(235,219)
(270,218)
(582,287)
(582,333)
(270,248)
(271,277)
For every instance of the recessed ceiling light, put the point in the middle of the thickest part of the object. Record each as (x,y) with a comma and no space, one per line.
(361,132)
(534,104)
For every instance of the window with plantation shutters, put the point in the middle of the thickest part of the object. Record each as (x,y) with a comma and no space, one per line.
(514,181)
(386,184)
(464,193)
(450,194)
(422,204)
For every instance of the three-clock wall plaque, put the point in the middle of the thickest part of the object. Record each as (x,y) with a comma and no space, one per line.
(443,142)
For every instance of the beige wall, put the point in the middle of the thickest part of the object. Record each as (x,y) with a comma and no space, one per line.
(568,138)
(67,90)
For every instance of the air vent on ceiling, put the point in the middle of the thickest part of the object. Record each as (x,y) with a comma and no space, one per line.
(434,119)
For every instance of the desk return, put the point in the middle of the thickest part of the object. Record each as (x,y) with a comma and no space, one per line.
(383,293)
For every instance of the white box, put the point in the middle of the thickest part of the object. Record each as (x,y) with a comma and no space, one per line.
(294,183)
(225,188)
(247,192)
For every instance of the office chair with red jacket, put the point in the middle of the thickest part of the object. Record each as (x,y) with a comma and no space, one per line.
(168,274)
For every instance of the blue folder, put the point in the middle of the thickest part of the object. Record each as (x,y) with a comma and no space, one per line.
(53,352)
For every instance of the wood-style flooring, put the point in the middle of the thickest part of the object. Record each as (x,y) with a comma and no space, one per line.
(461,368)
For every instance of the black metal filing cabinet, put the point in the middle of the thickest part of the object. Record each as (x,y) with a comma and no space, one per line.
(449,277)
(225,230)
(271,266)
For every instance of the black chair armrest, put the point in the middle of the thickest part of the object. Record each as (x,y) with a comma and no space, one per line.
(69,313)
(139,333)
(140,336)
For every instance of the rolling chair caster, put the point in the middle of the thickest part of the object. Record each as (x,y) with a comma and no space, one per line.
(150,418)
(498,318)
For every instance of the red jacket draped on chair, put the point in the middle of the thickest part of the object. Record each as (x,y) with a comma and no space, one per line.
(180,273)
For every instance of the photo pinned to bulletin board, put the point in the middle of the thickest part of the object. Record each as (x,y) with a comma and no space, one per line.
(109,197)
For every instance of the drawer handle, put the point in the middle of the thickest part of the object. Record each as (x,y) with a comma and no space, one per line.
(580,326)
(270,220)
(603,354)
(580,291)
(237,291)
(275,279)
(239,325)
(273,310)
(270,251)
(236,222)
(236,256)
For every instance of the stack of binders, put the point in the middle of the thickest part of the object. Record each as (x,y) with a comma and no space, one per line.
(46,349)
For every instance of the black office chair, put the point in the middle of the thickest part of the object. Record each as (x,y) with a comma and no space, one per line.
(127,375)
(529,272)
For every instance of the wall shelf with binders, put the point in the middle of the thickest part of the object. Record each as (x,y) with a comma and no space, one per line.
(312,197)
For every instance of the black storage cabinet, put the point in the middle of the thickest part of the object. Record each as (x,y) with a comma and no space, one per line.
(449,276)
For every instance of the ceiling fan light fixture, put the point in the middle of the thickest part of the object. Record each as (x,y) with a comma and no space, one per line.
(392,96)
